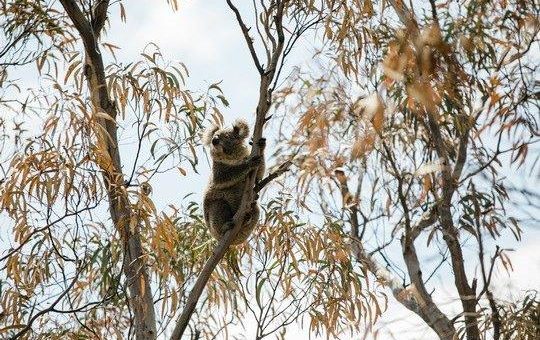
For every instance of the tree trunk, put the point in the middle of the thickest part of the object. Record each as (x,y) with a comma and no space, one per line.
(123,218)
(467,293)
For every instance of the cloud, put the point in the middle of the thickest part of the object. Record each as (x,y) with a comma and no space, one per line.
(525,261)
(195,32)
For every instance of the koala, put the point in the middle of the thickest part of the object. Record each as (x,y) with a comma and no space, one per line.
(231,165)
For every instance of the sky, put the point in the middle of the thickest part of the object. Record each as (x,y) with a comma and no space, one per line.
(204,36)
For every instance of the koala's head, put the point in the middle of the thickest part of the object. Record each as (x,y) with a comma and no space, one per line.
(227,144)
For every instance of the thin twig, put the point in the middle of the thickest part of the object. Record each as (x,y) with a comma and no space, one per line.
(248,39)
(280,170)
(50,308)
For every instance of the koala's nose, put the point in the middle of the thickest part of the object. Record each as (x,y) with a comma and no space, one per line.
(215,141)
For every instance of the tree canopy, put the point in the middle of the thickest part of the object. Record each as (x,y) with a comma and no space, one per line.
(404,152)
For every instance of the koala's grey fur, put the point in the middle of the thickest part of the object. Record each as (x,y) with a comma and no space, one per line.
(230,166)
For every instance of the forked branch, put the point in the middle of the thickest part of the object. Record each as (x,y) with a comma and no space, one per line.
(415,297)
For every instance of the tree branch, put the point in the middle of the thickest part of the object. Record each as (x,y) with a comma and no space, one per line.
(248,39)
(51,307)
(265,181)
(99,16)
(81,24)
(405,15)
(430,312)
(495,317)
(450,233)
(426,220)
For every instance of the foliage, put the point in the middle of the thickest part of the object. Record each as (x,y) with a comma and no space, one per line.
(411,141)
(403,131)
(63,246)
(521,320)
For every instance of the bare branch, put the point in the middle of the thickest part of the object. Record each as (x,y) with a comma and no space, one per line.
(280,170)
(248,39)
(259,18)
(486,279)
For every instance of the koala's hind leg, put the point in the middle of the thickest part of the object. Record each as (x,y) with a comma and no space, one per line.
(219,217)
(252,216)
(250,221)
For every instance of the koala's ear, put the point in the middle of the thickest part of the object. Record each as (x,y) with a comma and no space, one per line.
(241,128)
(208,134)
